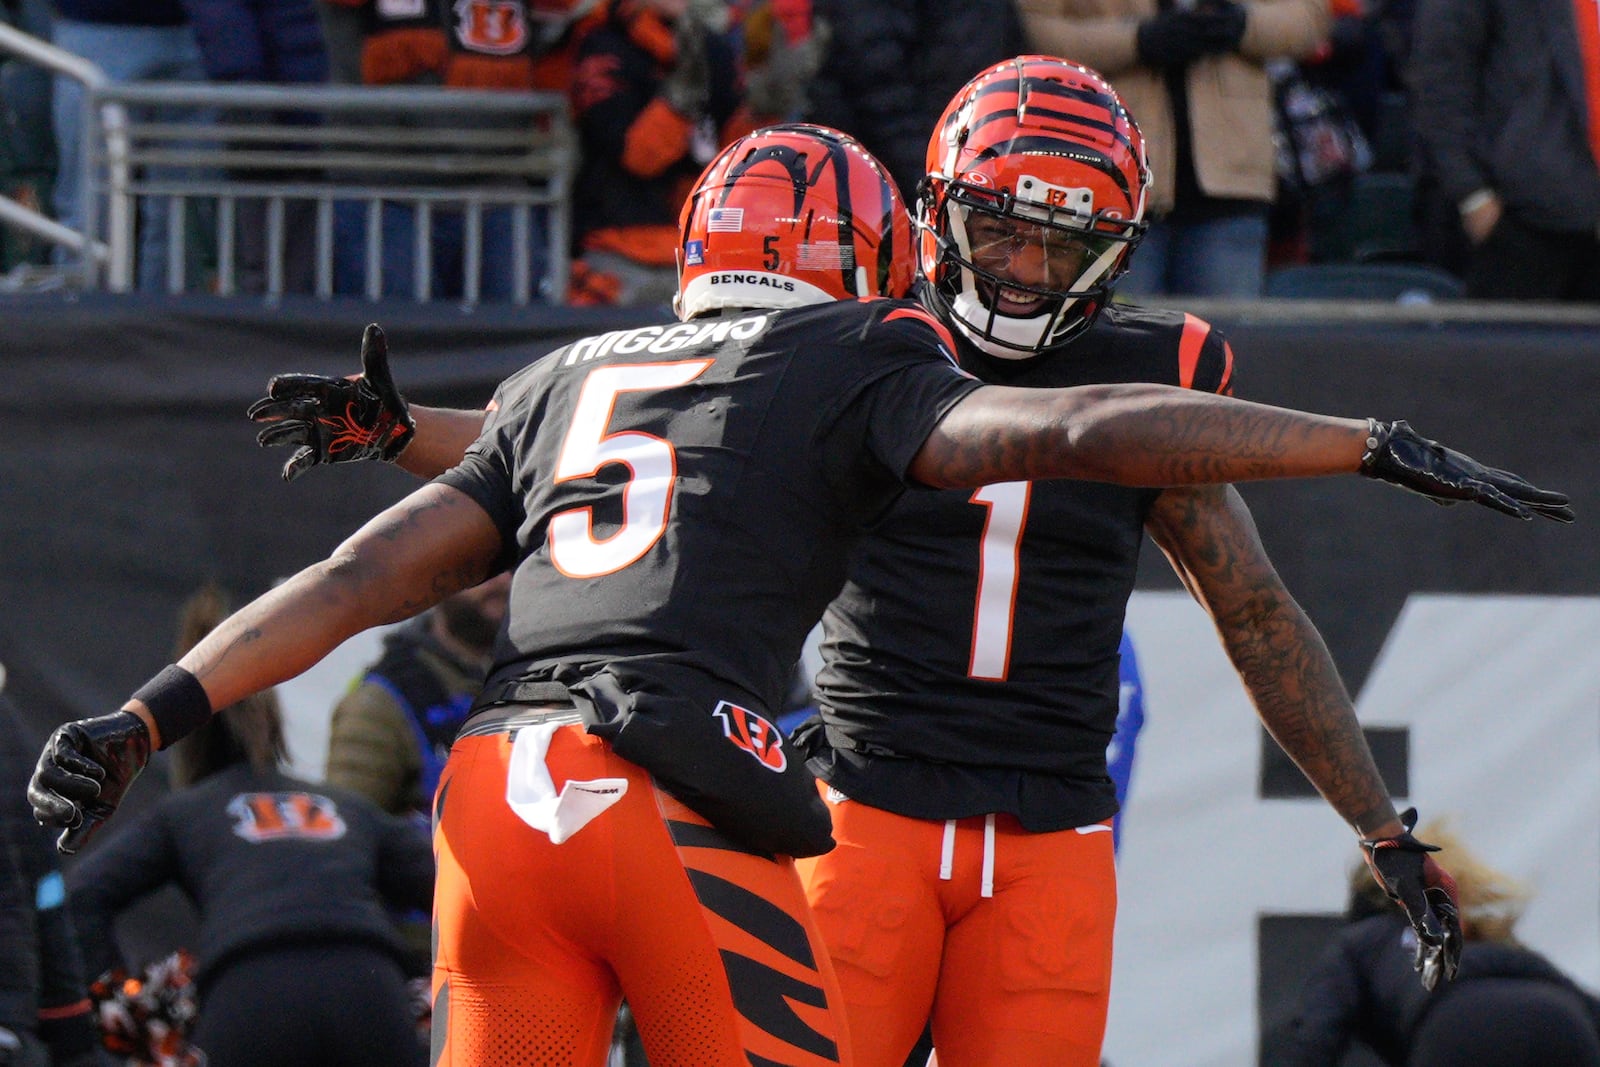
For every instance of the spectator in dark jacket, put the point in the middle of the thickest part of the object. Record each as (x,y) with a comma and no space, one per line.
(890,68)
(1506,102)
(655,96)
(44,1012)
(298,961)
(1508,1005)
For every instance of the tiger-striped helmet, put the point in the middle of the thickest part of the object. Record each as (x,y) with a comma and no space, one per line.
(791,215)
(1033,201)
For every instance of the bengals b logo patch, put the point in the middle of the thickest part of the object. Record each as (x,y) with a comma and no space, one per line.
(754,734)
(492,27)
(259,817)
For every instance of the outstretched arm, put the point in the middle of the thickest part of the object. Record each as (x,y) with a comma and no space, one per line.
(1209,536)
(1157,435)
(442,437)
(434,543)
(1150,435)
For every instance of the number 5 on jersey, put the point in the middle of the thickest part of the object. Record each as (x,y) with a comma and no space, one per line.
(646,499)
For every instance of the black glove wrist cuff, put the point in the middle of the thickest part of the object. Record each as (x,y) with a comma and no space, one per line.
(1378,434)
(1404,841)
(177,702)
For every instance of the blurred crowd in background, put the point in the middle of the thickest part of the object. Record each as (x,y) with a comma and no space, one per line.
(1445,135)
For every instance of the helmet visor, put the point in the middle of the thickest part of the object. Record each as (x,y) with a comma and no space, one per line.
(1021,259)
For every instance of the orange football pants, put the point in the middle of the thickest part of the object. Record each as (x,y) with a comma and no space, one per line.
(537,943)
(1000,936)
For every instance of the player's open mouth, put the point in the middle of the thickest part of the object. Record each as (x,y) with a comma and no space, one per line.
(1018,302)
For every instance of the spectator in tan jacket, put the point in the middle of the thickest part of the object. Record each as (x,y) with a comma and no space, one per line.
(1193,75)
(392,732)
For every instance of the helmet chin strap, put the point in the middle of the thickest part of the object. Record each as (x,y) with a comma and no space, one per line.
(1026,333)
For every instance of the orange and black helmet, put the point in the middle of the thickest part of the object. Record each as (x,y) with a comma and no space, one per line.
(1035,156)
(792,215)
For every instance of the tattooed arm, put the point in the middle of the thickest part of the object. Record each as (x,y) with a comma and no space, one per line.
(1159,435)
(435,542)
(1133,435)
(1209,537)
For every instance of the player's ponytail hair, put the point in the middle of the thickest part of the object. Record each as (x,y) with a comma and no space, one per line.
(250,731)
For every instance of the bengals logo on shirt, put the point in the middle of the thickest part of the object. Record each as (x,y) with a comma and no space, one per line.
(753,733)
(259,817)
(493,27)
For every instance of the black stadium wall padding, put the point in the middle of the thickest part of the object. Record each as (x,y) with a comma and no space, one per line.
(129,475)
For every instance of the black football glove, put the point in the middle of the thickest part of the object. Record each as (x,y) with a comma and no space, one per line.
(85,769)
(687,86)
(1173,38)
(1426,891)
(1221,25)
(1399,455)
(337,420)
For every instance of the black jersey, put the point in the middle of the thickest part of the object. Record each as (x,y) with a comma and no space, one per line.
(267,859)
(688,494)
(970,662)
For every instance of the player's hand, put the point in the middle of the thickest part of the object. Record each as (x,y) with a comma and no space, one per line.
(1426,891)
(337,420)
(1173,38)
(1398,454)
(687,86)
(85,769)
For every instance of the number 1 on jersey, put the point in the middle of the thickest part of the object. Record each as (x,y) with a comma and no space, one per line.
(998,574)
(647,498)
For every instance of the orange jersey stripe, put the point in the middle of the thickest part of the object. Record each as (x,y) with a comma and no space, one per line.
(922,316)
(1189,346)
(67,1011)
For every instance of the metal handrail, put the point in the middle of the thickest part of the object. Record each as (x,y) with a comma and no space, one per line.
(427,149)
(421,147)
(58,60)
(26,46)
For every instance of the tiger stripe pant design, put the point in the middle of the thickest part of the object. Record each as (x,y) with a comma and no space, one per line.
(536,944)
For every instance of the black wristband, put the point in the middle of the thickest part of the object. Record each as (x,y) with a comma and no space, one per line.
(177,702)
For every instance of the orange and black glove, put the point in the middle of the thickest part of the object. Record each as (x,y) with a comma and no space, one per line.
(337,420)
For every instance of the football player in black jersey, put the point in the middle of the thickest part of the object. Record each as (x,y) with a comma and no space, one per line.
(677,504)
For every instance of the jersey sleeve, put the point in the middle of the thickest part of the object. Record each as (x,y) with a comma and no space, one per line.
(486,471)
(911,383)
(139,859)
